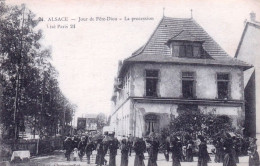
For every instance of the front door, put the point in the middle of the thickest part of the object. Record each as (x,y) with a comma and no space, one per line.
(151,123)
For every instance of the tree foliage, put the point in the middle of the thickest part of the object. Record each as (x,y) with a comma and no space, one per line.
(199,123)
(31,94)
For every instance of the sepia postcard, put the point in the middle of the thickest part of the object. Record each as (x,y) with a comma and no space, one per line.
(129,82)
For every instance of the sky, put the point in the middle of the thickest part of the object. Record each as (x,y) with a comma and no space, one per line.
(87,56)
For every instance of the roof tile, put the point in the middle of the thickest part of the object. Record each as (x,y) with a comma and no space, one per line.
(181,28)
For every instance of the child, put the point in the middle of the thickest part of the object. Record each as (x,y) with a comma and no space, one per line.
(75,154)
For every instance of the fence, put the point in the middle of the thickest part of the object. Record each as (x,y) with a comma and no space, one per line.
(35,146)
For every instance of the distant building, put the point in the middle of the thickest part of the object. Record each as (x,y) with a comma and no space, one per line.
(181,68)
(81,123)
(88,122)
(249,51)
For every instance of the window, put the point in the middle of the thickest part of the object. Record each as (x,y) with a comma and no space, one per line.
(223,85)
(196,51)
(151,82)
(175,50)
(186,49)
(189,51)
(188,87)
(182,51)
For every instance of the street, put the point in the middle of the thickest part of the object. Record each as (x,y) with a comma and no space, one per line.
(58,159)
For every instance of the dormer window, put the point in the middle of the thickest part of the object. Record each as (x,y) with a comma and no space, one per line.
(185,45)
(186,49)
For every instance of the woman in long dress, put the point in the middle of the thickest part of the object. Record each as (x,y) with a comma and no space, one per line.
(153,151)
(189,153)
(100,153)
(203,156)
(176,153)
(124,153)
(219,150)
(139,148)
(229,158)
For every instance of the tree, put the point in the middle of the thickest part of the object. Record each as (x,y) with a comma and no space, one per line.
(31,93)
(205,124)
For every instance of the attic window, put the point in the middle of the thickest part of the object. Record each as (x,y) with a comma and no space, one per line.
(186,49)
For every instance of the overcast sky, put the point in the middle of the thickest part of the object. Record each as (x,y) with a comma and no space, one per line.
(87,56)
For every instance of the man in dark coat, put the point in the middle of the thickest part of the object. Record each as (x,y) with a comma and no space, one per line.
(130,143)
(203,156)
(124,153)
(68,146)
(81,148)
(139,148)
(229,158)
(113,146)
(153,151)
(165,146)
(89,148)
(105,145)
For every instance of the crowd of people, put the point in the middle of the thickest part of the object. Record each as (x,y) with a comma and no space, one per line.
(227,149)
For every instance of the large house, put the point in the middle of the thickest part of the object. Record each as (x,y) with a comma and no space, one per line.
(180,68)
(249,51)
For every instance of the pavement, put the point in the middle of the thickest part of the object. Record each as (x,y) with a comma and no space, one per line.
(58,159)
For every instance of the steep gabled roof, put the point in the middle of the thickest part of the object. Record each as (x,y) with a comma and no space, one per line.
(170,27)
(254,24)
(156,49)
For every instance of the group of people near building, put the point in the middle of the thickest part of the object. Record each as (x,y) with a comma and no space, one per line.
(87,144)
(227,149)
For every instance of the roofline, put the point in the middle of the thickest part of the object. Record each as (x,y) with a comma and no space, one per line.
(144,46)
(243,35)
(210,36)
(245,67)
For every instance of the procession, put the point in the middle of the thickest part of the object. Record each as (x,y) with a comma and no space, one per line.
(102,83)
(226,149)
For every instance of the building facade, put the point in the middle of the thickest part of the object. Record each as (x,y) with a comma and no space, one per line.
(249,51)
(180,68)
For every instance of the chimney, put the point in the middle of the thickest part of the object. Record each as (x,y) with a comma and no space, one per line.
(252,16)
